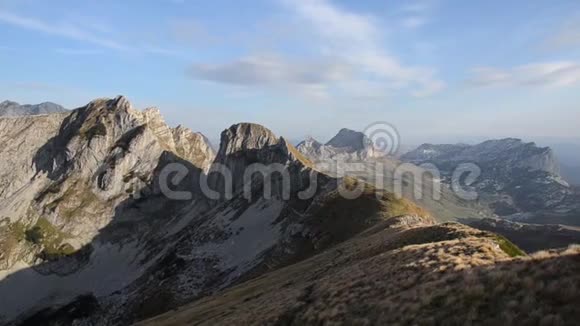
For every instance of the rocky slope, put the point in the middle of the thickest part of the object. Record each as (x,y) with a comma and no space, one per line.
(11,109)
(347,145)
(90,236)
(79,195)
(518,180)
(404,271)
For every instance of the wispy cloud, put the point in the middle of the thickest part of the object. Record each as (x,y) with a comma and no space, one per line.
(565,37)
(345,52)
(551,74)
(65,30)
(77,51)
(357,38)
(272,70)
(309,78)
(413,22)
(89,33)
(415,7)
(415,14)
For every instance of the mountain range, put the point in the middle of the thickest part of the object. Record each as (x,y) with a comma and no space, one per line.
(518,180)
(11,109)
(108,216)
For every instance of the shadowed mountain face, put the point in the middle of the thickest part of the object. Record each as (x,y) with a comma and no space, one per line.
(13,109)
(518,180)
(87,225)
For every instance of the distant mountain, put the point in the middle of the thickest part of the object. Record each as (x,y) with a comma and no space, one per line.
(345,145)
(518,180)
(503,155)
(529,237)
(11,109)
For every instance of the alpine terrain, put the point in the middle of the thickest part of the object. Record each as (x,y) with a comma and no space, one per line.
(108,216)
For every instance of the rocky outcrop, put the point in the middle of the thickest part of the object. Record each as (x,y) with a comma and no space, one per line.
(247,149)
(347,145)
(12,109)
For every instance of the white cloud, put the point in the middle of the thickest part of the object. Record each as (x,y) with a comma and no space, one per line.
(271,70)
(352,41)
(357,39)
(307,78)
(413,22)
(553,74)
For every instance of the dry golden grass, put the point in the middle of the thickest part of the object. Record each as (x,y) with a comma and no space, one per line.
(396,274)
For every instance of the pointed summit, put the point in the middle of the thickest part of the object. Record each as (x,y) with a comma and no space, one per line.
(350,139)
(245,136)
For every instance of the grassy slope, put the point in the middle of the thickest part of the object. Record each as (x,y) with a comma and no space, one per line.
(388,275)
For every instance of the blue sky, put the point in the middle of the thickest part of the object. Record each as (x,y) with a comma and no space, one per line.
(438,70)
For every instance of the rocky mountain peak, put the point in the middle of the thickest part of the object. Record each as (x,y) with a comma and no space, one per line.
(309,143)
(350,139)
(119,102)
(347,144)
(244,137)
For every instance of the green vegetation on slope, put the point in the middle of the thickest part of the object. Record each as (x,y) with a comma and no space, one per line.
(508,247)
(44,234)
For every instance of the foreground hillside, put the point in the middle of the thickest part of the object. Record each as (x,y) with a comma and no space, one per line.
(404,271)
